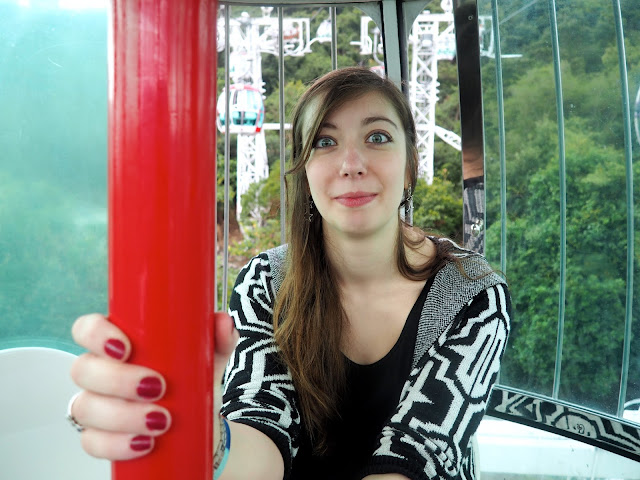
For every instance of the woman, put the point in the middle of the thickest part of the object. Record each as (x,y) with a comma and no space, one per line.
(365,349)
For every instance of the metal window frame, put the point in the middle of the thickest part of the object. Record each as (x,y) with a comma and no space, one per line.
(594,428)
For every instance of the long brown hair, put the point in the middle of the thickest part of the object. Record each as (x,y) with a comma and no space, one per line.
(308,313)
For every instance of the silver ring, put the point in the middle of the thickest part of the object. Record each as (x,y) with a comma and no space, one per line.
(72,420)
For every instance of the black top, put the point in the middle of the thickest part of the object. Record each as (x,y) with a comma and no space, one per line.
(372,397)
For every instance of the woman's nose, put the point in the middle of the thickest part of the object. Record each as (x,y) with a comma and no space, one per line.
(353,163)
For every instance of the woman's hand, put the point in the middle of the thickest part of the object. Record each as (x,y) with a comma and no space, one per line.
(116,407)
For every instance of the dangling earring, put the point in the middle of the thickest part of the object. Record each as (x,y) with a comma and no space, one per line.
(408,199)
(311,207)
(408,206)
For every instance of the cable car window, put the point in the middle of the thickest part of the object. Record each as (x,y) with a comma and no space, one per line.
(53,138)
(558,82)
(561,108)
(263,86)
(568,200)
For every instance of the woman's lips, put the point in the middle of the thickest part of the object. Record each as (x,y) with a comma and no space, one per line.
(355,199)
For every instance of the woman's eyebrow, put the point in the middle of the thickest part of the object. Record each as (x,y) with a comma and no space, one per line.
(370,120)
(365,121)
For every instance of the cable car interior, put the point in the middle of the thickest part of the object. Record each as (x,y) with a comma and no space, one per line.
(528,115)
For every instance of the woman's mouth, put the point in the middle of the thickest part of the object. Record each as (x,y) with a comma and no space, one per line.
(355,199)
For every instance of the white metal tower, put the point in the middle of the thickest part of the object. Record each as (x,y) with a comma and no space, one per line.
(249,38)
(432,39)
(430,43)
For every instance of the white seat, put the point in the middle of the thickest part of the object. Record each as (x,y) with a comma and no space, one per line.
(36,441)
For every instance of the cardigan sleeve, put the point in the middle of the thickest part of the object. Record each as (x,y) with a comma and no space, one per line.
(258,390)
(445,397)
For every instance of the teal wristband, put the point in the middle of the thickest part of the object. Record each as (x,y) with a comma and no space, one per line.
(226,437)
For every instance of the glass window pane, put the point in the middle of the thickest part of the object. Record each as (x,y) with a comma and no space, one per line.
(584,151)
(434,96)
(53,138)
(596,208)
(529,362)
(254,160)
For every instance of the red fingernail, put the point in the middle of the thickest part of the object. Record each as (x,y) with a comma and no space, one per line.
(149,387)
(156,421)
(114,348)
(140,443)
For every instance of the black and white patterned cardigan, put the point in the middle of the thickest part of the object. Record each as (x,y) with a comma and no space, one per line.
(462,334)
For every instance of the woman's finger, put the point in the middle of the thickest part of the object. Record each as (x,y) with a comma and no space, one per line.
(226,339)
(115,415)
(226,334)
(103,376)
(116,446)
(101,337)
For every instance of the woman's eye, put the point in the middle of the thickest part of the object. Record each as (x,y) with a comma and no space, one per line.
(324,142)
(378,137)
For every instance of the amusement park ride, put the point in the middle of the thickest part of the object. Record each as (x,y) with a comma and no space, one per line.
(432,39)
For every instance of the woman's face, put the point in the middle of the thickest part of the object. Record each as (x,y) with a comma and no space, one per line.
(357,169)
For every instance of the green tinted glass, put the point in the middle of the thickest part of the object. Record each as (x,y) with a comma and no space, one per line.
(53,139)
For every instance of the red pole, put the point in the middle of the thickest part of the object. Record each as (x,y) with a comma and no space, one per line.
(162,216)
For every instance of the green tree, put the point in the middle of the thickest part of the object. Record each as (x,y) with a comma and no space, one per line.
(438,207)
